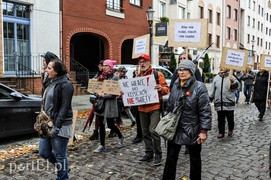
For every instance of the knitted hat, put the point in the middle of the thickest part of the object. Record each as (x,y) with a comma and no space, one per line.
(48,56)
(187,64)
(110,63)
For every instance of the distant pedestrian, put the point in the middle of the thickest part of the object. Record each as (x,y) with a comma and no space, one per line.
(248,78)
(238,75)
(150,114)
(110,111)
(195,121)
(260,92)
(223,97)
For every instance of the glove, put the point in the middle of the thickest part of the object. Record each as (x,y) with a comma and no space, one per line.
(54,131)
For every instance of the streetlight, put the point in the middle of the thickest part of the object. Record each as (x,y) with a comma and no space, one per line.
(149,14)
(252,45)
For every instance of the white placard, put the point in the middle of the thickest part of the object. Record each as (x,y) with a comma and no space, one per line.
(267,61)
(140,45)
(139,90)
(250,60)
(187,32)
(235,58)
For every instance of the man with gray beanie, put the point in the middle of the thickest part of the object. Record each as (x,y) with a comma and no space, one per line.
(194,123)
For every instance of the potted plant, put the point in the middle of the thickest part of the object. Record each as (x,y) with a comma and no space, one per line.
(206,62)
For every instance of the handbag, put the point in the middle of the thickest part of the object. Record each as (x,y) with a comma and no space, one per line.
(167,126)
(44,123)
(98,103)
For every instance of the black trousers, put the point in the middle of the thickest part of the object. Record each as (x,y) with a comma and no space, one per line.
(172,158)
(222,115)
(261,106)
(135,113)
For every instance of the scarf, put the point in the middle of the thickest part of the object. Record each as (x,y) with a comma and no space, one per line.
(104,75)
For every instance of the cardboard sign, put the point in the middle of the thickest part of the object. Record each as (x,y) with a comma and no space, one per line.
(188,33)
(107,86)
(234,59)
(139,91)
(265,62)
(141,45)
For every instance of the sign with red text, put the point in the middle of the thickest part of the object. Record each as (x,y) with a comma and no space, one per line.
(139,91)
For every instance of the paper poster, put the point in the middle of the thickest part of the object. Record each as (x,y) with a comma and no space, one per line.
(139,91)
(235,58)
(184,32)
(141,45)
(265,62)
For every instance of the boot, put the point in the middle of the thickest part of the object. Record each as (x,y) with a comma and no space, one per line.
(112,134)
(94,136)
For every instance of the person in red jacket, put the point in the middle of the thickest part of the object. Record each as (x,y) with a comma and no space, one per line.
(150,114)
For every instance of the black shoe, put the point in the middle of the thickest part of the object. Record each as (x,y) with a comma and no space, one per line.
(112,134)
(94,136)
(186,151)
(136,140)
(260,117)
(157,160)
(133,123)
(146,158)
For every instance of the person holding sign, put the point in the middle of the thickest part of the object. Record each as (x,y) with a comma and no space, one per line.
(150,114)
(195,120)
(260,91)
(110,111)
(248,78)
(224,99)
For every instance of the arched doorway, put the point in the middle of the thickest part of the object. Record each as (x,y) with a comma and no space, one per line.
(126,52)
(87,49)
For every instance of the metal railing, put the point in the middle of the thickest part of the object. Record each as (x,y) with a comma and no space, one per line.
(81,72)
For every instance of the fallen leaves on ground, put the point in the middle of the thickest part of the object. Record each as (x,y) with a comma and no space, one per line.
(13,152)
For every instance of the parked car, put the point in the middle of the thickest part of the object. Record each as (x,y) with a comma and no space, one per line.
(18,112)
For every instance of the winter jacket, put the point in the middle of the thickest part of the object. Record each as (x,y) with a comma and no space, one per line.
(165,90)
(260,87)
(110,106)
(196,114)
(61,113)
(223,97)
(248,80)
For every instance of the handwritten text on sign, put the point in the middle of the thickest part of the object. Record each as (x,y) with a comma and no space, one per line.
(106,86)
(235,58)
(187,32)
(139,91)
(267,61)
(140,45)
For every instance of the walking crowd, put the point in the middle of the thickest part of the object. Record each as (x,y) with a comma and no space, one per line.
(186,86)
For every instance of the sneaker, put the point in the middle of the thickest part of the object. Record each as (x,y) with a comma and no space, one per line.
(99,149)
(120,142)
(146,158)
(136,140)
(157,160)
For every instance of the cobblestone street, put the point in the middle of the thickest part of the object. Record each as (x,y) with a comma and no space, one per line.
(242,156)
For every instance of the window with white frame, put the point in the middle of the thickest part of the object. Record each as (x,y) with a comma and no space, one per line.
(228,32)
(210,15)
(181,12)
(162,9)
(253,22)
(248,38)
(136,2)
(228,11)
(235,34)
(114,5)
(248,20)
(201,12)
(249,4)
(218,18)
(235,15)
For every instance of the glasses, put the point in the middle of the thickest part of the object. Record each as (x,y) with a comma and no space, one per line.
(183,70)
(142,62)
(182,58)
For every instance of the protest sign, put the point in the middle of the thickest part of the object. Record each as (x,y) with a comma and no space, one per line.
(234,59)
(250,60)
(188,33)
(139,91)
(141,46)
(106,86)
(265,62)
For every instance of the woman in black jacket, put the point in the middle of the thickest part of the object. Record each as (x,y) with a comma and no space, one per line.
(260,91)
(194,123)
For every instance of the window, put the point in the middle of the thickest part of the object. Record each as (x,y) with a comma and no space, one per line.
(218,41)
(228,11)
(253,37)
(228,33)
(269,46)
(258,41)
(253,5)
(259,25)
(115,5)
(235,34)
(136,2)
(210,38)
(265,44)
(248,21)
(267,16)
(181,12)
(259,9)
(173,1)
(249,4)
(266,30)
(248,38)
(188,15)
(253,23)
(210,14)
(218,18)
(201,13)
(162,9)
(262,12)
(269,32)
(235,15)
(261,42)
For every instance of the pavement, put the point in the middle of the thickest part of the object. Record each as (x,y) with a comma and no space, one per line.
(245,155)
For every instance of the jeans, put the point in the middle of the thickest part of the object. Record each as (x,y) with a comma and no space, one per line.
(54,149)
(221,116)
(247,91)
(237,95)
(172,158)
(151,139)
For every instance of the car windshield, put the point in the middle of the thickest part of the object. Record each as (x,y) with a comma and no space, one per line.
(5,93)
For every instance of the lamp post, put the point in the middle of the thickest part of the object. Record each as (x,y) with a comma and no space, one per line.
(252,46)
(149,14)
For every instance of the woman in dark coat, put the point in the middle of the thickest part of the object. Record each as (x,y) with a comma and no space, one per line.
(194,123)
(260,91)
